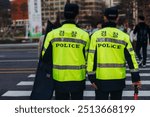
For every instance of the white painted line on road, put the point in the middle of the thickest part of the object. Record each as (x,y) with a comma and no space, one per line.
(25,83)
(16,93)
(141,93)
(86,93)
(125,93)
(147,82)
(30,83)
(128,74)
(31,76)
(1,61)
(2,56)
(145,69)
(141,74)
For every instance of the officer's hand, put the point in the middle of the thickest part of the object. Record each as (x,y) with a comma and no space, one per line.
(138,84)
(94,86)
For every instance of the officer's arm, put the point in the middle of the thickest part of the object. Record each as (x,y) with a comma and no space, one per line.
(131,60)
(86,36)
(46,44)
(91,64)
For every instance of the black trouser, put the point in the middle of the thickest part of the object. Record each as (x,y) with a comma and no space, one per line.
(142,45)
(78,95)
(104,95)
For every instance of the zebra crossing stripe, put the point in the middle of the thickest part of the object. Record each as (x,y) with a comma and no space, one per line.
(125,93)
(17,94)
(127,82)
(25,83)
(145,69)
(30,83)
(128,74)
(86,93)
(141,74)
(31,76)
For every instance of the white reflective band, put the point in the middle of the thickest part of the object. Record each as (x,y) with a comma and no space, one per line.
(134,70)
(69,40)
(91,51)
(68,67)
(107,65)
(111,40)
(130,49)
(91,73)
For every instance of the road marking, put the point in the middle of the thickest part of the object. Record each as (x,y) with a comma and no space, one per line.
(16,72)
(2,56)
(86,93)
(16,93)
(28,83)
(125,93)
(31,76)
(145,69)
(141,74)
(30,60)
(128,74)
(25,83)
(16,69)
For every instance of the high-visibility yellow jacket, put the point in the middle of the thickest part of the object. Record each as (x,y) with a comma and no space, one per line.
(69,52)
(108,52)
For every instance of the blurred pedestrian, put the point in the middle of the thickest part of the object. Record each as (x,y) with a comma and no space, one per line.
(143,33)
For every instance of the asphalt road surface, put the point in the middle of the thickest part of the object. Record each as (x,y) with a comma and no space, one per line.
(17,72)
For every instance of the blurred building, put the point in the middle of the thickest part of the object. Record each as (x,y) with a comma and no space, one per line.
(111,3)
(5,18)
(51,9)
(19,12)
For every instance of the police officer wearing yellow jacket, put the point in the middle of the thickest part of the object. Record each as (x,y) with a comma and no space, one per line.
(109,50)
(69,45)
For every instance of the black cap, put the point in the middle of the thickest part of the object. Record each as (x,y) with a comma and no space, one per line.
(71,11)
(111,13)
(141,17)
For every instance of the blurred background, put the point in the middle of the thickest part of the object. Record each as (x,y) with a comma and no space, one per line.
(15,14)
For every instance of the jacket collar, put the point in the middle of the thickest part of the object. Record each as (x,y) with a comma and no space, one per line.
(69,22)
(109,24)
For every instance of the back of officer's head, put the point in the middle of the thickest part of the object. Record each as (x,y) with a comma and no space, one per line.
(111,14)
(141,17)
(71,11)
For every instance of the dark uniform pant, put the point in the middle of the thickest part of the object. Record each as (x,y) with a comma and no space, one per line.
(78,95)
(142,45)
(105,95)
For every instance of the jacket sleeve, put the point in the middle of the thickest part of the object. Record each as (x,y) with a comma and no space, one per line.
(86,36)
(131,60)
(46,43)
(91,63)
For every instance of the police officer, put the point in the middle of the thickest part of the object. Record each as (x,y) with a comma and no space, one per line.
(108,52)
(69,54)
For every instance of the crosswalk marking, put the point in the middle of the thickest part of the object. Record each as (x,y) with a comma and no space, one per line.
(125,93)
(86,93)
(31,76)
(28,83)
(16,93)
(25,83)
(128,74)
(90,93)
